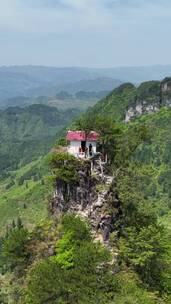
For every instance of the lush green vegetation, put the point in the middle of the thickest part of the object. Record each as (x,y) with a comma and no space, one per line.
(71,268)
(79,270)
(27,133)
(115,104)
(25,194)
(141,165)
(58,261)
(63,168)
(153,153)
(119,100)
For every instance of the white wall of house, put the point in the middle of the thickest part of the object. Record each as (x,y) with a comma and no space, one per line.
(75,145)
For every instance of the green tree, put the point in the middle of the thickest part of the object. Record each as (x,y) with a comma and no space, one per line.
(14,248)
(145,251)
(78,273)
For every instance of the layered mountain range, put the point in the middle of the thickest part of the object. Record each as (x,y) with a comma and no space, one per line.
(35,81)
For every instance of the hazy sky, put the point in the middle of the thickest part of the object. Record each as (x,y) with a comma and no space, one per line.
(97,33)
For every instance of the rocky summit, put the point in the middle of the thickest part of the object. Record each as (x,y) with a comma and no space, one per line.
(89,197)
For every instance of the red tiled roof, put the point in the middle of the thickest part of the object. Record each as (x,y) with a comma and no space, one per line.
(81,136)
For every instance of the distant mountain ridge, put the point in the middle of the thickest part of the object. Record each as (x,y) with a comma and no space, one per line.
(135,74)
(34,81)
(97,84)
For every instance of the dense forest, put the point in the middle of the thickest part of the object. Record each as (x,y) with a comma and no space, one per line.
(57,260)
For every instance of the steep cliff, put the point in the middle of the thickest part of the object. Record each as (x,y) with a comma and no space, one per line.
(92,196)
(150,97)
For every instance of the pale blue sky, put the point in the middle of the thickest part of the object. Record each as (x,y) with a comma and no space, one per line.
(94,33)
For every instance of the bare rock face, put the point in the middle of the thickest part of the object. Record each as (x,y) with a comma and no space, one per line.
(152,96)
(140,109)
(166,92)
(92,197)
(76,195)
(166,85)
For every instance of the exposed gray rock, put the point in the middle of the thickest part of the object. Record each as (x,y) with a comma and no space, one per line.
(152,103)
(140,109)
(85,200)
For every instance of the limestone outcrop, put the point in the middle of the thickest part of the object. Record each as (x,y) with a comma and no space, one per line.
(152,96)
(92,197)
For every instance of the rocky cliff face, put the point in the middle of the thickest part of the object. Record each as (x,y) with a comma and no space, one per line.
(92,197)
(151,96)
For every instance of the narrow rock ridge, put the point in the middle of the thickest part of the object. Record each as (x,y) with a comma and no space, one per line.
(93,198)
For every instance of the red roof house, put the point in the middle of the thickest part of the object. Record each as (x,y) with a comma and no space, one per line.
(82,144)
(81,136)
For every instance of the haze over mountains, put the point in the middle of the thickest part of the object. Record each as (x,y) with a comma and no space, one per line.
(34,81)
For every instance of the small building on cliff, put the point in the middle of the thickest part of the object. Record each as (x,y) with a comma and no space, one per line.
(82,144)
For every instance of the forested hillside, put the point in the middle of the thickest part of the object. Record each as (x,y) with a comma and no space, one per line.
(28,133)
(59,260)
(62,100)
(127,101)
(150,106)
